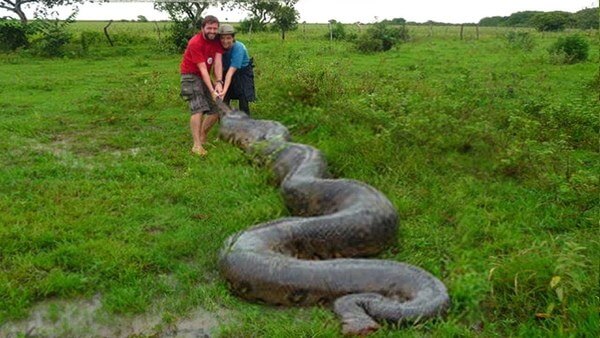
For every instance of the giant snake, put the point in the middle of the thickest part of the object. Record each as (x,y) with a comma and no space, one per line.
(314,257)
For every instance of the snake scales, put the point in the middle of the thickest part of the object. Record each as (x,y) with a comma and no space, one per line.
(304,260)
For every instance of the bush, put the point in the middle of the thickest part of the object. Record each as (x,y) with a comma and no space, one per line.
(366,44)
(251,25)
(13,34)
(337,32)
(313,83)
(380,37)
(93,37)
(180,32)
(520,40)
(570,49)
(52,38)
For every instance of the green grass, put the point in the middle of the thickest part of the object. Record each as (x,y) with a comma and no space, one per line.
(488,152)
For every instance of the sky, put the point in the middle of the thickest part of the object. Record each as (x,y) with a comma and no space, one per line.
(349,11)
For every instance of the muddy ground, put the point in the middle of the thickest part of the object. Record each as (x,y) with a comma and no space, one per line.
(85,318)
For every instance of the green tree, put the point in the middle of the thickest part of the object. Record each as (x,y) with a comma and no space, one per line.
(336,30)
(260,11)
(190,12)
(587,18)
(264,12)
(521,19)
(286,19)
(396,21)
(493,21)
(551,21)
(186,18)
(16,6)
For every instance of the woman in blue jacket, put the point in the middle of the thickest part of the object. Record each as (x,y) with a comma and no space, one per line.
(238,70)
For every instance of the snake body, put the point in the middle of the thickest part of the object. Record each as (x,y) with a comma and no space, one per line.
(315,256)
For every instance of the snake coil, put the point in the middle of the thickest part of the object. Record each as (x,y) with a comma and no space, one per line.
(314,257)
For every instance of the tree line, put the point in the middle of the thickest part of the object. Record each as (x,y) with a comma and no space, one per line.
(276,15)
(546,21)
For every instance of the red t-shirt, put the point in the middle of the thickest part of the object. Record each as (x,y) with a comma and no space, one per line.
(199,50)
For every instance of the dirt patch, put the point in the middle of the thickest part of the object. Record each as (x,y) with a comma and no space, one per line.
(84,318)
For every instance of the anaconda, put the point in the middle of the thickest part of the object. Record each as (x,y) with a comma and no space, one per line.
(318,255)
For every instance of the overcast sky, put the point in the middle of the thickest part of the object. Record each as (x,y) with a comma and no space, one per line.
(349,11)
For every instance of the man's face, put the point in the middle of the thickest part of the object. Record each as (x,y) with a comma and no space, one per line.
(210,30)
(226,41)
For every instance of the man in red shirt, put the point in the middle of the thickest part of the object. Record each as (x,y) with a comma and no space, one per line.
(203,54)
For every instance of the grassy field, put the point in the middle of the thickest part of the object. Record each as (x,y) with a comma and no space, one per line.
(489,153)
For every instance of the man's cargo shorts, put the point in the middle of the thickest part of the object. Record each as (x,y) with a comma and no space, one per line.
(196,93)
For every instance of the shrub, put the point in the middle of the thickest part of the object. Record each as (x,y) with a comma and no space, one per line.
(352,37)
(93,37)
(180,32)
(570,49)
(13,34)
(52,38)
(52,34)
(313,83)
(89,38)
(365,44)
(337,31)
(520,40)
(251,25)
(381,37)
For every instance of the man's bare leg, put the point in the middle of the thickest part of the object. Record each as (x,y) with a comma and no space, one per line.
(207,123)
(196,128)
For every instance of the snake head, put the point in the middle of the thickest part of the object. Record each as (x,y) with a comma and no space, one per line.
(359,326)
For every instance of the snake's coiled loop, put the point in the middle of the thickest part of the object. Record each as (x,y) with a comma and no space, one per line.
(314,257)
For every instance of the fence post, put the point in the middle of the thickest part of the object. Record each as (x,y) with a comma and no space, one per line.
(106,33)
(462,26)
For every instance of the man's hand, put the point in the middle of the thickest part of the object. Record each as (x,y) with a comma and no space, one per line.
(219,87)
(215,94)
(219,90)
